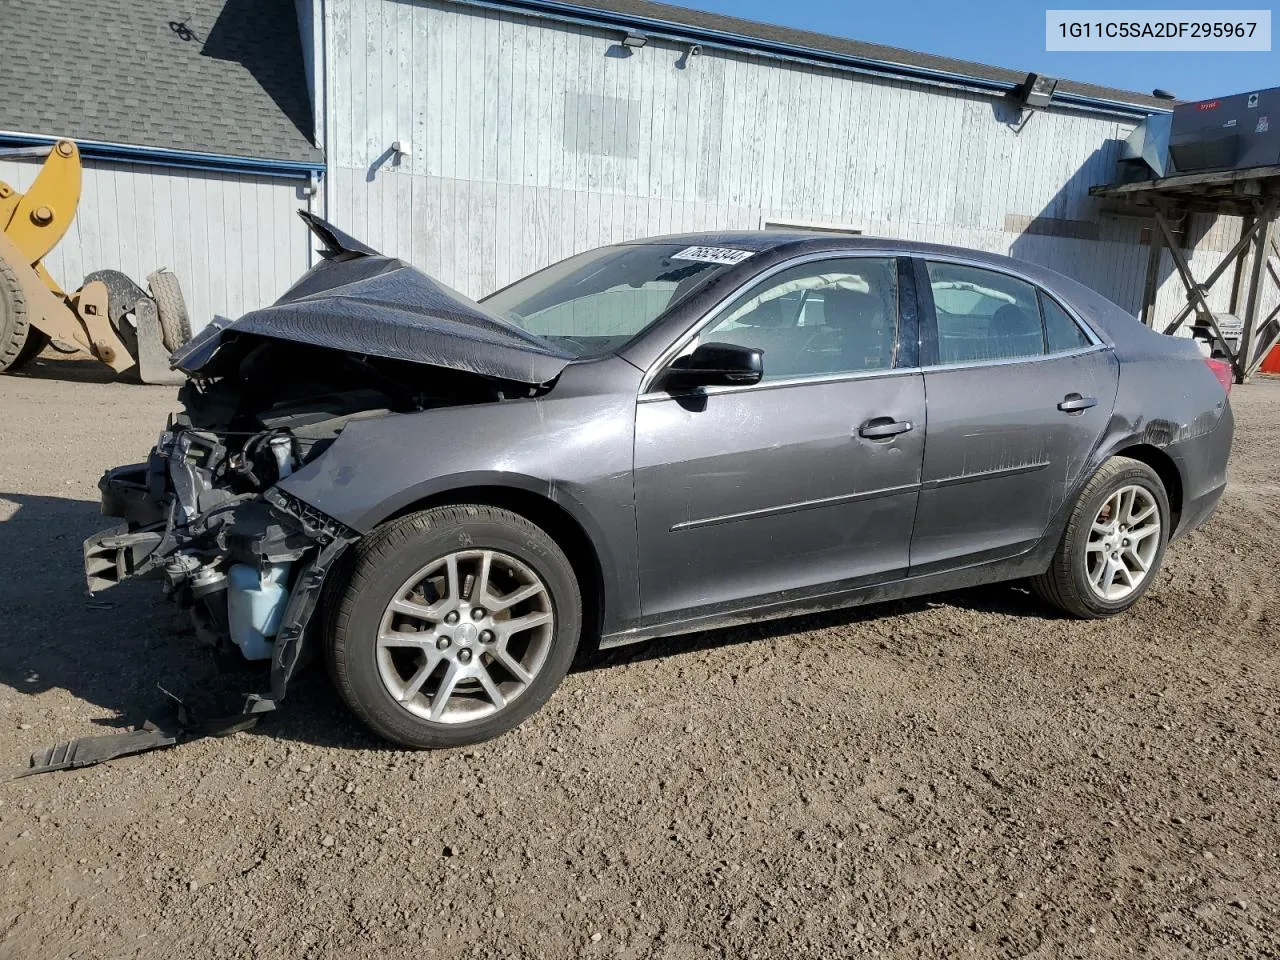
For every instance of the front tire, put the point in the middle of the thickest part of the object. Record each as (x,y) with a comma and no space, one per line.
(453,625)
(1114,543)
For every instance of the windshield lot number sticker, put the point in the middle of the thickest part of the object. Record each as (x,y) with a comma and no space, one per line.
(712,254)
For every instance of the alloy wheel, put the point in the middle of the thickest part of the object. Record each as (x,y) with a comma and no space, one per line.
(1123,543)
(465,636)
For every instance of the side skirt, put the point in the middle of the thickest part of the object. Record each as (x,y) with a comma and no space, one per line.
(1029,564)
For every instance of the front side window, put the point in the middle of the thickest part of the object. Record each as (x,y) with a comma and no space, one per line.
(984,315)
(821,318)
(595,302)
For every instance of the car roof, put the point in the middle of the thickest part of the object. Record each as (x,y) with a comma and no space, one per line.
(787,243)
(1111,322)
(806,241)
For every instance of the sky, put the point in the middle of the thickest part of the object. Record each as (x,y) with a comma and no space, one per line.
(1009,33)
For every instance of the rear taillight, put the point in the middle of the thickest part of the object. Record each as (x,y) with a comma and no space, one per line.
(1222,370)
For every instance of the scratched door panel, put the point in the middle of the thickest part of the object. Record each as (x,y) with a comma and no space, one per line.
(1000,456)
(748,493)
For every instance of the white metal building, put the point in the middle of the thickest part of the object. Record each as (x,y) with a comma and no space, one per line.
(482,139)
(530,130)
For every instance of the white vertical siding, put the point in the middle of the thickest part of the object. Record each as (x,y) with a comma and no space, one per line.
(531,140)
(233,239)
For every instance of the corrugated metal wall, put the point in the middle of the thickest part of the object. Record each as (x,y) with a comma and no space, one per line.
(233,239)
(531,140)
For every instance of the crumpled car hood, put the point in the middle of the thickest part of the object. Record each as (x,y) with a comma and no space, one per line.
(357,300)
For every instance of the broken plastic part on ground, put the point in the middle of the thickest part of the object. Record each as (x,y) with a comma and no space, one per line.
(181,723)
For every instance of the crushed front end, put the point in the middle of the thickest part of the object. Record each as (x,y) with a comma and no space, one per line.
(358,336)
(205,514)
(204,517)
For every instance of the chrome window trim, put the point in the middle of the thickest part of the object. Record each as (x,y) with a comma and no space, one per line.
(812,379)
(1005,361)
(646,384)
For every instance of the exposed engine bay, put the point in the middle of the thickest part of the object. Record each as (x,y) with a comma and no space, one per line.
(203,513)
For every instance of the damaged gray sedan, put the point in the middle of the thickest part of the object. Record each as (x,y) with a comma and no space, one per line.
(444,499)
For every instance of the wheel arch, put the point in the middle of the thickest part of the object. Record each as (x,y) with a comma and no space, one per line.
(1166,469)
(566,529)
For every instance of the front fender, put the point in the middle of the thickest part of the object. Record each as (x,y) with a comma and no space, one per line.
(573,448)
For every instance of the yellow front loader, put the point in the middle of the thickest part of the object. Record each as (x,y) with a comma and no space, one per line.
(110,316)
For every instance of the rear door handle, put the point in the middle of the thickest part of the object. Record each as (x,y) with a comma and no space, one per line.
(1074,403)
(882,428)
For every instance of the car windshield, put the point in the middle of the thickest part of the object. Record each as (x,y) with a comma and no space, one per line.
(595,302)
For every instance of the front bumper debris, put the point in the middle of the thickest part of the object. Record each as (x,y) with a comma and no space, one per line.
(193,511)
(181,724)
(111,556)
(86,751)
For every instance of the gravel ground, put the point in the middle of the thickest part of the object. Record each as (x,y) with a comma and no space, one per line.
(965,775)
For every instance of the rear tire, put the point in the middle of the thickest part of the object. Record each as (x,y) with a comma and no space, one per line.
(1106,560)
(452,625)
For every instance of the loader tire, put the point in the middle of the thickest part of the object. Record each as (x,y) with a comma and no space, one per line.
(175,324)
(19,341)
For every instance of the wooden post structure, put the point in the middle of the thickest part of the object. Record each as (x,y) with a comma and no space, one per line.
(1253,194)
(1246,229)
(1152,286)
(1261,251)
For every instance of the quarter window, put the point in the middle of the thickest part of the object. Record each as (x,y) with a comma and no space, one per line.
(984,315)
(1061,332)
(820,318)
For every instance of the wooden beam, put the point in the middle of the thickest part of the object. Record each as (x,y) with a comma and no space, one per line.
(1269,330)
(1195,293)
(1236,255)
(1186,181)
(1268,337)
(1261,252)
(1246,229)
(1152,285)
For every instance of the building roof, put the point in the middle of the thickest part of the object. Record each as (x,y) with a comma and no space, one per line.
(890,60)
(228,79)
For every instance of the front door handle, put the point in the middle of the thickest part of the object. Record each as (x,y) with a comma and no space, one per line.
(1074,403)
(883,428)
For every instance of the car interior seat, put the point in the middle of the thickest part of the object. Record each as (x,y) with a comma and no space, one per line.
(1014,332)
(859,321)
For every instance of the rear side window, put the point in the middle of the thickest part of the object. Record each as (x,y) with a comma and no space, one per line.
(984,315)
(1060,331)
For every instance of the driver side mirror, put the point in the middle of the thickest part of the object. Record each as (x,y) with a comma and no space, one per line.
(716,364)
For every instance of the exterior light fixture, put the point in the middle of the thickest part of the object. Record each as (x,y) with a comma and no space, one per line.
(634,40)
(1034,92)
